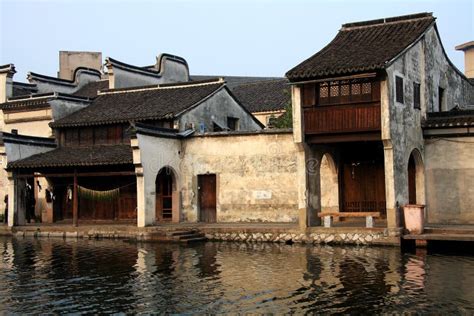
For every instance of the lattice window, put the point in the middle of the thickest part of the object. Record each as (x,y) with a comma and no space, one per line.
(345,90)
(366,88)
(355,87)
(323,90)
(334,89)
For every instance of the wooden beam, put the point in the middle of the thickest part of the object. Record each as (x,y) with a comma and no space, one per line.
(75,202)
(84,174)
(342,138)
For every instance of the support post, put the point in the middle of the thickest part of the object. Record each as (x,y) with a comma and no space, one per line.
(75,202)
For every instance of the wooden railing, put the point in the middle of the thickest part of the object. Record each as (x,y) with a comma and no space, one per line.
(362,117)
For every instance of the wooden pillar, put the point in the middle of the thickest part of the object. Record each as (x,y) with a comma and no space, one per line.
(75,202)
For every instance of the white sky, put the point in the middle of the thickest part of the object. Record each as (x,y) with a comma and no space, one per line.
(226,37)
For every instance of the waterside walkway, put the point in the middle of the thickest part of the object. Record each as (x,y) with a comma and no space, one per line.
(341,233)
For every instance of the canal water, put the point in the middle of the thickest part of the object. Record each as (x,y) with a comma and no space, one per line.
(107,276)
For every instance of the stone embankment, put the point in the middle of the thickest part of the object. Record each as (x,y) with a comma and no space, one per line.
(351,237)
(229,233)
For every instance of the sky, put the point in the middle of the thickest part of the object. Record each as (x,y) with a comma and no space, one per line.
(226,37)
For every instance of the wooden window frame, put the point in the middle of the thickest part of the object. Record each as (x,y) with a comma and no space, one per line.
(236,123)
(399,90)
(416,95)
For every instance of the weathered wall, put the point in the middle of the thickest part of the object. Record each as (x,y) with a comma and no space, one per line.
(31,123)
(426,64)
(69,61)
(450,180)
(256,177)
(150,155)
(3,179)
(61,108)
(439,72)
(264,117)
(170,72)
(217,108)
(401,126)
(59,85)
(122,78)
(17,151)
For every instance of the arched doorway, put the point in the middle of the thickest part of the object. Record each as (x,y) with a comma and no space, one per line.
(329,184)
(416,178)
(166,196)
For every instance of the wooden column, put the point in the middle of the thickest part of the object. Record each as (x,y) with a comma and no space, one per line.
(75,202)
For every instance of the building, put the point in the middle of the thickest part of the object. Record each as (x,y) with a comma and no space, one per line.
(94,154)
(360,106)
(381,119)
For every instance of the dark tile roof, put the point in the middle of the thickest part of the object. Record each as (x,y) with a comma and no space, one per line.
(90,90)
(363,46)
(77,156)
(262,96)
(39,101)
(137,104)
(22,89)
(453,118)
(233,81)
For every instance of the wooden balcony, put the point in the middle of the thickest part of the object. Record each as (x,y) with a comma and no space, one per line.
(340,119)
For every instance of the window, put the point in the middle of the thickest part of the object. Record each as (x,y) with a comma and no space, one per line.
(399,89)
(416,95)
(233,123)
(72,137)
(216,127)
(440,99)
(308,95)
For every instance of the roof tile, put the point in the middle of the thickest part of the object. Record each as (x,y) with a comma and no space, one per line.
(363,46)
(77,156)
(134,104)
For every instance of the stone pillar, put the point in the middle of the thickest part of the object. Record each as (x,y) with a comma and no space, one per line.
(313,170)
(141,218)
(16,205)
(391,205)
(301,174)
(298,122)
(11,199)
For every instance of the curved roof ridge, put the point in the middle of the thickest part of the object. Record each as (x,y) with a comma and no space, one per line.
(383,21)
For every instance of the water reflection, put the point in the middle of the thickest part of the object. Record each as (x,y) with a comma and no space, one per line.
(59,276)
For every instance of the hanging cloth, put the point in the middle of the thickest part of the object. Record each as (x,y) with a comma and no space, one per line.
(103,196)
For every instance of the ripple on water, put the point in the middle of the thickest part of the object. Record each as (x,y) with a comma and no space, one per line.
(112,276)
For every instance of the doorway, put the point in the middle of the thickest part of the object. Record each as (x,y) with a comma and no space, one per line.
(164,195)
(207,198)
(363,178)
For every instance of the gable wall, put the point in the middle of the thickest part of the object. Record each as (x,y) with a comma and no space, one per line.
(424,63)
(218,107)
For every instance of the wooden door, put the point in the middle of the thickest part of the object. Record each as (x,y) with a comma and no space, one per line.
(411,181)
(363,187)
(164,196)
(207,198)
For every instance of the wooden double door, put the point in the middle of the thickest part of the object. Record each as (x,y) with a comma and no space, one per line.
(207,198)
(362,179)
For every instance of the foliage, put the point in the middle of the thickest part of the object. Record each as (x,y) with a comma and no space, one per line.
(286,119)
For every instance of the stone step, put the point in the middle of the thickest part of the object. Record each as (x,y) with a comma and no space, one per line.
(189,236)
(180,233)
(192,240)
